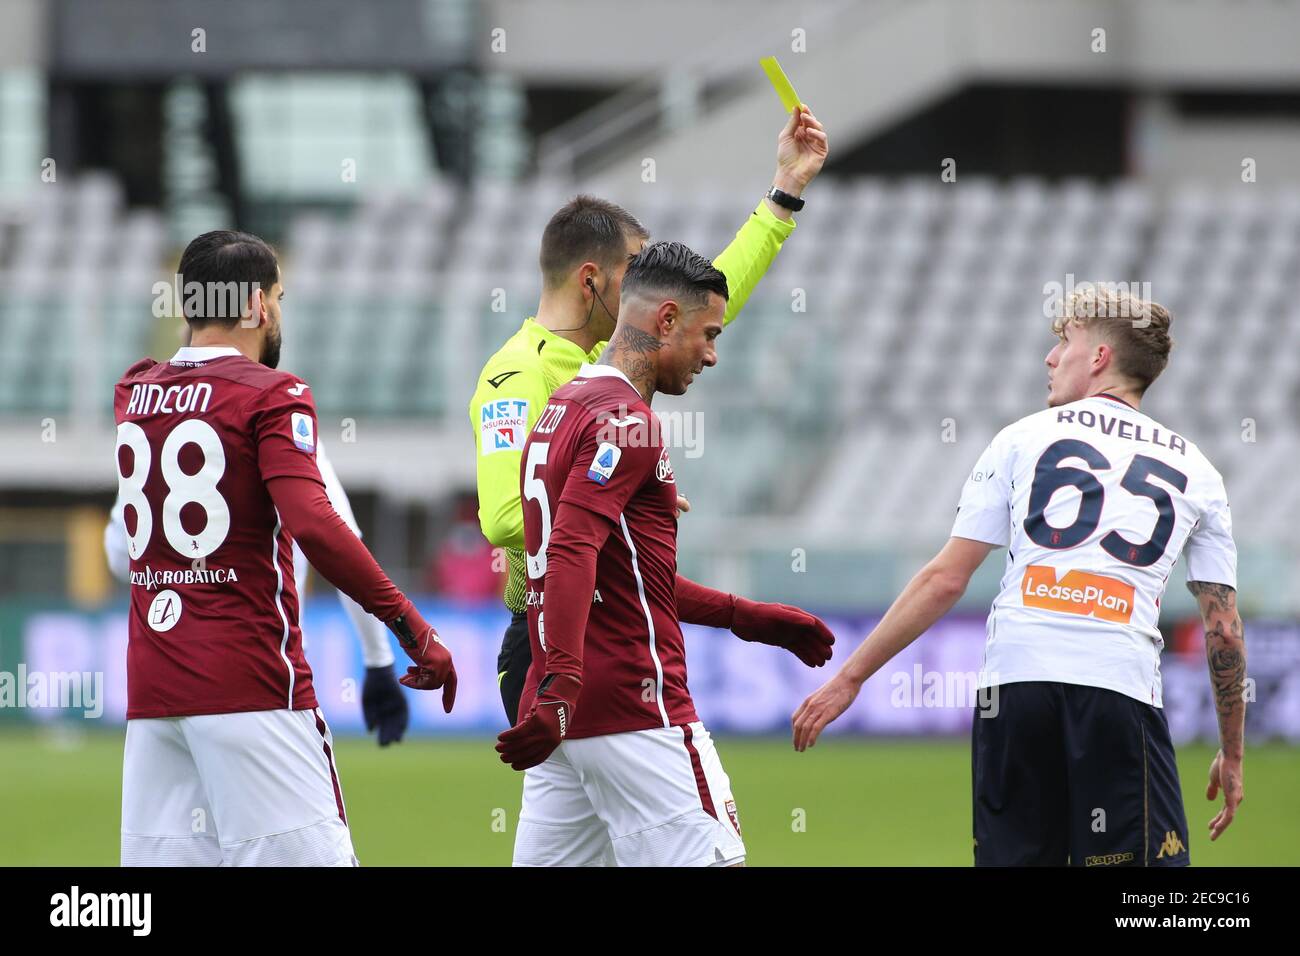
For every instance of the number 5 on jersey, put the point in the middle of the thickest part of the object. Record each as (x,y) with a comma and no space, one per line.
(535,490)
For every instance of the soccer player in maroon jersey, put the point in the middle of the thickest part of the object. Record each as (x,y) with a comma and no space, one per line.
(228,760)
(383,706)
(620,771)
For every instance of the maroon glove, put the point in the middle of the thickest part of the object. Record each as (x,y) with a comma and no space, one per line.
(433,668)
(532,740)
(802,634)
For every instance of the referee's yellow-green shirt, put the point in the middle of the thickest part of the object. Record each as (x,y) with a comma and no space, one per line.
(517,381)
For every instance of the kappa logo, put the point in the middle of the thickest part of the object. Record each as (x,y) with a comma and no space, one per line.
(1079,592)
(1109,859)
(1172,846)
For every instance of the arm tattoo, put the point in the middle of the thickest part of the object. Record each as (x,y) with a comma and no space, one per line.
(1220,596)
(1225,652)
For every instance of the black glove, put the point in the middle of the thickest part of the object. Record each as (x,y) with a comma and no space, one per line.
(384,705)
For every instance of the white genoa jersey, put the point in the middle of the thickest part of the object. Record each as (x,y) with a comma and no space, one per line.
(1094,501)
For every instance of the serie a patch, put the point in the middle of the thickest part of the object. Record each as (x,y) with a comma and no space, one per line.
(303,430)
(603,465)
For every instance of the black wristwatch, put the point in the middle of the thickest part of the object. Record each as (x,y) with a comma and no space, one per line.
(783,198)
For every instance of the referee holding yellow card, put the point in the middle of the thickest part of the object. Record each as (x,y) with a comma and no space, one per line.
(584,252)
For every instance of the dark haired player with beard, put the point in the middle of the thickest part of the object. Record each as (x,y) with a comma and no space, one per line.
(383,705)
(228,760)
(584,253)
(619,768)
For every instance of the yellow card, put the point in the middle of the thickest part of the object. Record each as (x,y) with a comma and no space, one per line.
(781,83)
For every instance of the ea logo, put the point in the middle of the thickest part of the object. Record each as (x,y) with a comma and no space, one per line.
(664,470)
(165,611)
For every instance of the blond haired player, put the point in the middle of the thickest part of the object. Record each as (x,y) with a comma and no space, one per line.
(1095,501)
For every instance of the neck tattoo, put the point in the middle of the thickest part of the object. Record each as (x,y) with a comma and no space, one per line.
(632,351)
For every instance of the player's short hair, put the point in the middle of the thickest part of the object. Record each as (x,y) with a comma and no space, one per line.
(225,266)
(673,270)
(1136,329)
(586,229)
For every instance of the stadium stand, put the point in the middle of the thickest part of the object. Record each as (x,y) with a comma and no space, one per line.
(923,325)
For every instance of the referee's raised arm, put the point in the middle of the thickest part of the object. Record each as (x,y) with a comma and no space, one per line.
(585,251)
(801,151)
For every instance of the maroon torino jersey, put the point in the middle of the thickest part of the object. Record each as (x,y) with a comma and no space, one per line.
(594,446)
(214,611)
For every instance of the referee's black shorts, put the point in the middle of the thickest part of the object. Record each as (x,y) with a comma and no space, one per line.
(1068,774)
(512,665)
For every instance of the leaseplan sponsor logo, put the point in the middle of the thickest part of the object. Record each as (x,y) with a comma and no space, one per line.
(1079,592)
(503,425)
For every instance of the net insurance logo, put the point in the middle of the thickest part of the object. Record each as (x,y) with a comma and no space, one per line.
(503,425)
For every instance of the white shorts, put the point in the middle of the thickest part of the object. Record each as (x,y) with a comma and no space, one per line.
(646,798)
(248,789)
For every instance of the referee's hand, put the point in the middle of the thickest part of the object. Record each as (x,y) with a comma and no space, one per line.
(801,150)
(821,708)
(1225,775)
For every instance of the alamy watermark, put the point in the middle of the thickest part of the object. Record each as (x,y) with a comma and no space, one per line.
(201,299)
(934,689)
(75,908)
(674,429)
(1111,300)
(62,690)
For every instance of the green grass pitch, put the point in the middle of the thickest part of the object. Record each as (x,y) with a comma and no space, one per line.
(451,803)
